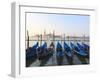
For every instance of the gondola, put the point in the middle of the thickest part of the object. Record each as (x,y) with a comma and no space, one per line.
(31,54)
(59,54)
(86,47)
(82,47)
(68,52)
(78,50)
(46,54)
(42,51)
(81,55)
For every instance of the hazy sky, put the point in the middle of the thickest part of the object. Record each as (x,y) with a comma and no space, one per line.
(78,25)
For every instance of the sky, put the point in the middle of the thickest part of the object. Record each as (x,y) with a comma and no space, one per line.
(71,25)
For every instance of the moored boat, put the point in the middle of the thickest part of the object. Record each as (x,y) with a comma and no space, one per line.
(85,49)
(78,50)
(31,54)
(59,54)
(68,52)
(81,55)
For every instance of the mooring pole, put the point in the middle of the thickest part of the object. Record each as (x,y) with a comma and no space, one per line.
(41,40)
(75,39)
(68,39)
(84,38)
(63,41)
(55,59)
(38,39)
(27,39)
(64,37)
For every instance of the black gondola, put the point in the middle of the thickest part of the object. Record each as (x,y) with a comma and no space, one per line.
(84,48)
(80,53)
(42,51)
(59,54)
(31,54)
(78,50)
(68,52)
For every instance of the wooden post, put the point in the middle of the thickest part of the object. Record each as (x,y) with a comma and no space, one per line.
(48,40)
(41,40)
(53,40)
(27,39)
(53,48)
(84,38)
(38,39)
(54,55)
(64,37)
(68,39)
(63,41)
(75,39)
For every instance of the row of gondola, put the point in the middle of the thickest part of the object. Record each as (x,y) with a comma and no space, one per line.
(81,50)
(42,52)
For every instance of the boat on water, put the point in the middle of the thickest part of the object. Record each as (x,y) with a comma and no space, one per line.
(78,50)
(84,47)
(44,52)
(68,52)
(81,46)
(32,52)
(59,54)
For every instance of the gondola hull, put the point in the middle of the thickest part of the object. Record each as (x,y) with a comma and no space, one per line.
(45,53)
(82,58)
(69,58)
(85,49)
(60,60)
(78,51)
(31,56)
(68,53)
(60,57)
